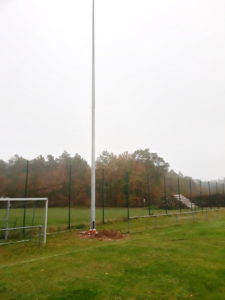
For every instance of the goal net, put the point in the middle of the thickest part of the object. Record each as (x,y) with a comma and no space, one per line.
(22,219)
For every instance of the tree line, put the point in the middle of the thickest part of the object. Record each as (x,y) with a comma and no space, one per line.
(150,179)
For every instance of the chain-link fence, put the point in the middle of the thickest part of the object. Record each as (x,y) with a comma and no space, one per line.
(121,195)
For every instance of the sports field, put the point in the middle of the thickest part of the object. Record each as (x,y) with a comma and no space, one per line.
(160,259)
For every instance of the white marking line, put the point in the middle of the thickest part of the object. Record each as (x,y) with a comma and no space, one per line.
(60,254)
(66,253)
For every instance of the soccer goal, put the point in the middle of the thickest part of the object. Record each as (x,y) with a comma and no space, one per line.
(22,219)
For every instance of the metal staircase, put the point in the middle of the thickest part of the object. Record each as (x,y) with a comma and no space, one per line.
(187,202)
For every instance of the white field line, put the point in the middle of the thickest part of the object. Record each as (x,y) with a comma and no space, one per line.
(61,254)
(11,243)
(65,253)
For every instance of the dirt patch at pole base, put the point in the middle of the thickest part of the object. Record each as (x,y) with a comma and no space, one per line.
(108,235)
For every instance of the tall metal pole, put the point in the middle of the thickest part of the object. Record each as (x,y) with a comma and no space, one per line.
(93,181)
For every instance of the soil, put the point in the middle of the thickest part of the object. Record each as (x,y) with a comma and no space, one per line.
(103,235)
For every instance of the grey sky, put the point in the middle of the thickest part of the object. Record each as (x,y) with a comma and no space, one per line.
(160,71)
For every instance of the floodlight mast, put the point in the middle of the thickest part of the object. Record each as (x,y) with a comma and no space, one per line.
(93,180)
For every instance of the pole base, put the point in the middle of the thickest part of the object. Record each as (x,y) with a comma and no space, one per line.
(92,231)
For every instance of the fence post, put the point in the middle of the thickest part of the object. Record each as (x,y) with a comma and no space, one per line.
(165,195)
(217,196)
(224,192)
(201,195)
(127,199)
(7,220)
(148,194)
(178,183)
(69,197)
(190,195)
(209,194)
(103,196)
(25,195)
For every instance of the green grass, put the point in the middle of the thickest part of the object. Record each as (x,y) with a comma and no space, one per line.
(159,259)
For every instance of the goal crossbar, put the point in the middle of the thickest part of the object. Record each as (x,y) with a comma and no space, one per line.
(23,199)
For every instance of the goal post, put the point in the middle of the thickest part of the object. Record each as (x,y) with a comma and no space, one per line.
(20,215)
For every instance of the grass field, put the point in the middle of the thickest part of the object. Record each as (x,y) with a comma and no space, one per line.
(159,259)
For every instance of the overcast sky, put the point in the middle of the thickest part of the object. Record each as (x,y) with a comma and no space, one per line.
(160,72)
